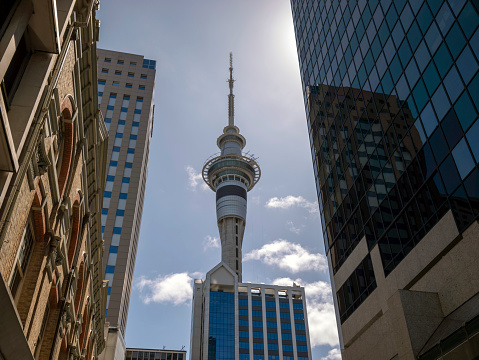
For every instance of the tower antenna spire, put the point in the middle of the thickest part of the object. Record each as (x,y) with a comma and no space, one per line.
(231,97)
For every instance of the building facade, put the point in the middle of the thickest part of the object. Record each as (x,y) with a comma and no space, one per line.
(53,146)
(125,93)
(232,320)
(390,91)
(154,354)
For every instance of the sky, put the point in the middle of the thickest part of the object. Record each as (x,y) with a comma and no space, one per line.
(179,241)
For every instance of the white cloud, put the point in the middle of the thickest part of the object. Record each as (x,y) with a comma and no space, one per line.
(293,228)
(333,354)
(290,201)
(195,179)
(321,317)
(174,289)
(288,256)
(211,242)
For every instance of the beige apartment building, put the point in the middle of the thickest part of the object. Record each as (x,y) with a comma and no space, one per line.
(53,146)
(126,85)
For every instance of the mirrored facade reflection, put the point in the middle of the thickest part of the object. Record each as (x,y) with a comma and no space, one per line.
(390,90)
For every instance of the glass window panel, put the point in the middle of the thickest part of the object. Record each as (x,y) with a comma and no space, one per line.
(129,157)
(123,115)
(473,138)
(453,84)
(115,239)
(443,60)
(121,204)
(472,188)
(467,65)
(420,95)
(449,174)
(469,19)
(444,19)
(109,277)
(424,18)
(422,56)
(127,172)
(414,36)
(463,158)
(412,73)
(455,41)
(456,5)
(106,202)
(438,145)
(136,117)
(120,129)
(441,102)
(451,126)
(465,111)
(132,143)
(109,186)
(124,188)
(112,259)
(111,171)
(118,221)
(431,78)
(433,38)
(112,100)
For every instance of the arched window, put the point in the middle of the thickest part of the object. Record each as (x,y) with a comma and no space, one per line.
(22,260)
(79,290)
(64,142)
(75,230)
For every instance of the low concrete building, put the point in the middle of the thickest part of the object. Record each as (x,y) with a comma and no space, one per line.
(154,354)
(53,144)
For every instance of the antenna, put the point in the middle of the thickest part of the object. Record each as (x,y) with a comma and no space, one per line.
(231,97)
(182,348)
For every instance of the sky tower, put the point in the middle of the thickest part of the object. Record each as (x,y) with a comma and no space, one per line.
(231,174)
(232,320)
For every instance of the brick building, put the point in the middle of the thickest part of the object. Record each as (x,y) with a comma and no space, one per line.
(53,145)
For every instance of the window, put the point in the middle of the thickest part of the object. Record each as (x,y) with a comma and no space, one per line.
(272,335)
(258,346)
(132,142)
(129,86)
(127,171)
(117,72)
(270,314)
(101,85)
(130,74)
(302,348)
(22,259)
(298,306)
(244,334)
(287,347)
(132,63)
(130,155)
(272,325)
(284,305)
(112,258)
(136,117)
(243,345)
(116,83)
(299,326)
(285,326)
(139,103)
(120,62)
(126,102)
(270,304)
(255,302)
(284,315)
(124,188)
(243,312)
(107,60)
(287,336)
(257,324)
(106,198)
(149,64)
(300,337)
(299,316)
(143,76)
(119,221)
(141,87)
(121,204)
(111,101)
(273,347)
(104,71)
(134,128)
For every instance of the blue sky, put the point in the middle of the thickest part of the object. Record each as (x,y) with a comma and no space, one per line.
(191,41)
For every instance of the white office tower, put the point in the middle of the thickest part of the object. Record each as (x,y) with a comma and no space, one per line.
(232,320)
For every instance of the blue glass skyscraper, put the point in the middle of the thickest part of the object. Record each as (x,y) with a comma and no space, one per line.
(391,91)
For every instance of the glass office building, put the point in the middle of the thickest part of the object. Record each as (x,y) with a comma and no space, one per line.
(391,91)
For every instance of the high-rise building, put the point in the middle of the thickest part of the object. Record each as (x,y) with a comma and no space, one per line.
(230,319)
(53,146)
(391,91)
(154,354)
(125,91)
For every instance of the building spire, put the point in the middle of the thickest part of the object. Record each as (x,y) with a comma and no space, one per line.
(231,97)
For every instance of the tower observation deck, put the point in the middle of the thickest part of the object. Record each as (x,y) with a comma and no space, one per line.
(231,174)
